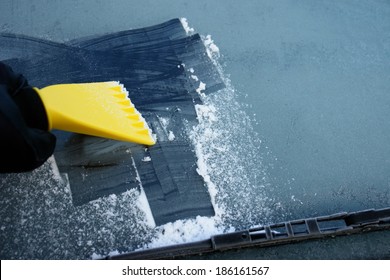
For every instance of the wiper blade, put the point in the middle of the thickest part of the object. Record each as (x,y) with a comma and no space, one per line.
(339,224)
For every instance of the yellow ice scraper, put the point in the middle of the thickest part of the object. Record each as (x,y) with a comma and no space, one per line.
(98,109)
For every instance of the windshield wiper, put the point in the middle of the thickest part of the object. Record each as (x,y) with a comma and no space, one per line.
(339,224)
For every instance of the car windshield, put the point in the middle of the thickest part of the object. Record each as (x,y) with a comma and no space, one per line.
(285,116)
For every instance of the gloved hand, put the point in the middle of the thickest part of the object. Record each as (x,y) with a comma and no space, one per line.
(25,143)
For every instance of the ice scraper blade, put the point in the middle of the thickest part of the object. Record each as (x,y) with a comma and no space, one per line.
(100,109)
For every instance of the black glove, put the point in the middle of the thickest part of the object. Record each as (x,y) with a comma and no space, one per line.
(25,143)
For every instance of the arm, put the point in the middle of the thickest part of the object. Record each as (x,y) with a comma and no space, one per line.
(25,143)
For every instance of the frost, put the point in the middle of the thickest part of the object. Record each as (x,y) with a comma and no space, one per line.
(211,48)
(143,204)
(145,159)
(96,256)
(194,77)
(186,26)
(164,122)
(206,113)
(182,231)
(171,136)
(228,155)
(202,87)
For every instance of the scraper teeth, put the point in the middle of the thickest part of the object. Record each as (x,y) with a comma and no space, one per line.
(130,110)
(117,88)
(143,131)
(125,102)
(120,95)
(139,124)
(134,117)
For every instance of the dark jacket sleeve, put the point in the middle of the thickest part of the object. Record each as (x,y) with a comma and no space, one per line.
(25,143)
